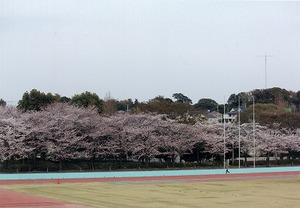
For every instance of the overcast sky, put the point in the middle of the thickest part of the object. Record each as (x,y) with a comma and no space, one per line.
(141,49)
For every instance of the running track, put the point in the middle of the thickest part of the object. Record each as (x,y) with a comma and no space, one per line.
(14,200)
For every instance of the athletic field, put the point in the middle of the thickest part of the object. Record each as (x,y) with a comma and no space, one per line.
(268,189)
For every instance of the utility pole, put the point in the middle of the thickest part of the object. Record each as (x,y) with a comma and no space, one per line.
(266,57)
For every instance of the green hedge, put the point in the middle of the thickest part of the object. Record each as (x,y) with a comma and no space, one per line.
(112,165)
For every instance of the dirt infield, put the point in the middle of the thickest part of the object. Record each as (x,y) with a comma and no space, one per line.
(12,199)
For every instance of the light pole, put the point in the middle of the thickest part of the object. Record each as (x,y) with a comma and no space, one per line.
(254,145)
(239,111)
(224,145)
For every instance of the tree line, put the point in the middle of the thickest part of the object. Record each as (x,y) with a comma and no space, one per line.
(273,107)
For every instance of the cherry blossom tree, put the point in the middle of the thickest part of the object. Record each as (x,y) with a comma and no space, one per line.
(68,128)
(95,144)
(145,142)
(291,142)
(58,131)
(12,134)
(118,136)
(214,140)
(177,140)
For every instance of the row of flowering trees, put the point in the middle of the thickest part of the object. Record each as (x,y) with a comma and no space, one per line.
(62,132)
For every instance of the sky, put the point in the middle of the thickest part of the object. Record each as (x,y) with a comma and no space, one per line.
(141,49)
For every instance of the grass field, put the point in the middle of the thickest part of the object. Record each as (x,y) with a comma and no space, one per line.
(242,194)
